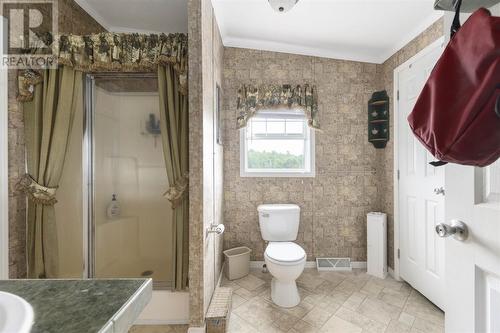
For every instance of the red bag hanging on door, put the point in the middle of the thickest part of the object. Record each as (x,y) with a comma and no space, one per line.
(457,115)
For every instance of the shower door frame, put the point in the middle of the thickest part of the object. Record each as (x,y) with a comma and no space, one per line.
(88,158)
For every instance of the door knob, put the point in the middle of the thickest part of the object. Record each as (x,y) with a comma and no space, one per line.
(457,229)
(439,190)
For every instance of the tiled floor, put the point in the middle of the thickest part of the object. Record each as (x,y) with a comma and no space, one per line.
(339,302)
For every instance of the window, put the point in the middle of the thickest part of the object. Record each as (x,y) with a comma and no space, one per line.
(277,144)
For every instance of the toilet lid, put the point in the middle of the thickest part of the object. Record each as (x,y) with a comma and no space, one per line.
(285,251)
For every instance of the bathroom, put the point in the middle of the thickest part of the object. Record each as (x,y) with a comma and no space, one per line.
(220,134)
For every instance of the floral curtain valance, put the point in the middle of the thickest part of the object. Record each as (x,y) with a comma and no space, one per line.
(113,52)
(252,99)
(121,51)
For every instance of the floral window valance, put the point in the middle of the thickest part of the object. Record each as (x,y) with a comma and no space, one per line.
(252,99)
(113,52)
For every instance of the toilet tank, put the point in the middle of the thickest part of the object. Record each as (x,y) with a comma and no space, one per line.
(279,222)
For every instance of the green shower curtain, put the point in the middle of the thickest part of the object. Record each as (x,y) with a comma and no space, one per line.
(48,120)
(174,134)
(49,98)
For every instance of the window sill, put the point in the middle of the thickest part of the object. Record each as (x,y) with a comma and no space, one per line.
(250,174)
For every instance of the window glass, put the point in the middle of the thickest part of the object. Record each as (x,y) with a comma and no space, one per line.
(276,154)
(277,145)
(275,126)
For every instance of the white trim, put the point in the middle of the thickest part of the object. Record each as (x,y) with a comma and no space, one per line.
(132,30)
(221,274)
(390,271)
(437,43)
(256,44)
(4,164)
(94,14)
(86,6)
(196,329)
(429,20)
(333,53)
(359,264)
(309,264)
(256,264)
(311,137)
(259,263)
(161,322)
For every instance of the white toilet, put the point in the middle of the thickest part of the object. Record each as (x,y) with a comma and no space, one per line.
(285,260)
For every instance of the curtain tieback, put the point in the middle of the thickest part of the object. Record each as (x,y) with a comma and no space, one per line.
(27,80)
(37,193)
(175,193)
(183,84)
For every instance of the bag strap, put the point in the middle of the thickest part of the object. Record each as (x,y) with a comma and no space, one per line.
(497,107)
(455,26)
(438,163)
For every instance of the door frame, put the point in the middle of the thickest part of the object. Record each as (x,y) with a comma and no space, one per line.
(429,48)
(88,168)
(4,160)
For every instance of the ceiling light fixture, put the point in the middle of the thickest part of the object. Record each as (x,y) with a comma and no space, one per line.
(282,6)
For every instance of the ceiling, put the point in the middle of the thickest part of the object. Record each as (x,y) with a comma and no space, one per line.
(360,30)
(141,16)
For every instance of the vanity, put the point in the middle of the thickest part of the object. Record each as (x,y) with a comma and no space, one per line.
(82,306)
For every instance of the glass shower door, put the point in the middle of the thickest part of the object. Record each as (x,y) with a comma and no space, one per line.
(131,220)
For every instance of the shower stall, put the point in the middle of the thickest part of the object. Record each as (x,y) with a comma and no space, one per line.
(115,220)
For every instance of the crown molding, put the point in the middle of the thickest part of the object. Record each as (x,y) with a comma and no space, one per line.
(132,30)
(297,49)
(333,53)
(95,15)
(426,23)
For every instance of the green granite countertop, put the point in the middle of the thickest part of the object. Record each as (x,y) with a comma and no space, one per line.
(86,306)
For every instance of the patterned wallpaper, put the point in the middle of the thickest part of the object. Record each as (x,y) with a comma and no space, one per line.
(352,177)
(334,203)
(72,19)
(196,314)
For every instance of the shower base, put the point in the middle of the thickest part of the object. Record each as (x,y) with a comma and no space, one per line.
(137,268)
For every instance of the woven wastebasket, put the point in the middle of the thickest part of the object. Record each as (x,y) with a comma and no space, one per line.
(237,262)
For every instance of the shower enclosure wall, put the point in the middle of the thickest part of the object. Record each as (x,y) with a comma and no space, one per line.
(117,223)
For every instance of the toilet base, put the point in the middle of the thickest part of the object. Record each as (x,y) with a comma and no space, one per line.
(285,294)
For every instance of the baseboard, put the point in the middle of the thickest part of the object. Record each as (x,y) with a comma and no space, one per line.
(309,264)
(358,264)
(256,264)
(259,263)
(146,322)
(196,330)
(221,274)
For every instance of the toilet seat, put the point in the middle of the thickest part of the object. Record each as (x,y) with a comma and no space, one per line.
(285,253)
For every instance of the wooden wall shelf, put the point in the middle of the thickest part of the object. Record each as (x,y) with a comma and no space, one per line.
(378,119)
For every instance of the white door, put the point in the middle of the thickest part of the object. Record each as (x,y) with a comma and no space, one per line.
(420,188)
(473,265)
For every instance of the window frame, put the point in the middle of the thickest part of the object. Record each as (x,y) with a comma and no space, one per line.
(309,154)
